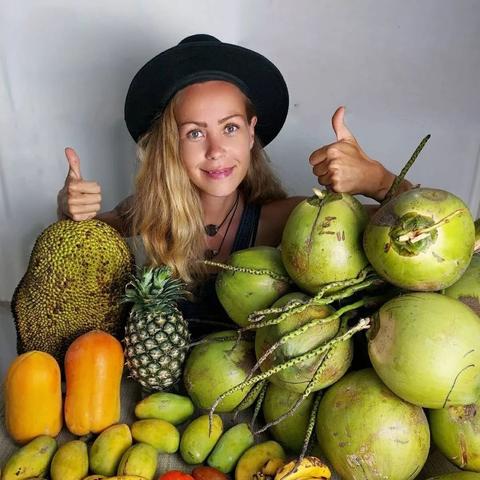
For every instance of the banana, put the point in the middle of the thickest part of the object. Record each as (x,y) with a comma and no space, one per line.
(272,466)
(308,469)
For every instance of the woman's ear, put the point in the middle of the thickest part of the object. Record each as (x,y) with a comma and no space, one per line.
(251,130)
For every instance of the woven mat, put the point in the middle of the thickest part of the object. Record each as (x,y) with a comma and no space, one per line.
(131,394)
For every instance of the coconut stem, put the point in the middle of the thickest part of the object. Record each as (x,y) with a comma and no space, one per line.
(308,390)
(399,178)
(258,404)
(304,328)
(345,293)
(250,396)
(363,324)
(311,425)
(419,234)
(251,271)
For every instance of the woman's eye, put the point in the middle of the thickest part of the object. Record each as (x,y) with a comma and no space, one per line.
(231,128)
(194,134)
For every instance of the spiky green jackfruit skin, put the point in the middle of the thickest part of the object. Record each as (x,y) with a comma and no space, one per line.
(74,283)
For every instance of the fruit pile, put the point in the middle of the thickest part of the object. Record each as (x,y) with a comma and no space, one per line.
(407,277)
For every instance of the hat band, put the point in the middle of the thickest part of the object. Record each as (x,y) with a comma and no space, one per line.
(205,76)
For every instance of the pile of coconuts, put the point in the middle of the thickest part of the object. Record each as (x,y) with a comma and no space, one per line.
(408,277)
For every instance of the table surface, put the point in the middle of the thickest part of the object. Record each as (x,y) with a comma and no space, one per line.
(131,394)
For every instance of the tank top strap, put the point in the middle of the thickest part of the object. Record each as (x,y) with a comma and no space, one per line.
(247,229)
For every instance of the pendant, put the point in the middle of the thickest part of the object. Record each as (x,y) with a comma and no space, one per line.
(211,230)
(209,254)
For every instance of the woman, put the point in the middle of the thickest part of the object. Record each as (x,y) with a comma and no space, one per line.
(201,112)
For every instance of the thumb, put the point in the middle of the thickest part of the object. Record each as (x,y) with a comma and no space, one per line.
(339,127)
(73,163)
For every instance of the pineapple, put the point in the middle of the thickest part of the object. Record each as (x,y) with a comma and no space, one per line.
(156,334)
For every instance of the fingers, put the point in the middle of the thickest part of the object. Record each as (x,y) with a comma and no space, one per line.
(78,199)
(339,127)
(73,163)
(83,187)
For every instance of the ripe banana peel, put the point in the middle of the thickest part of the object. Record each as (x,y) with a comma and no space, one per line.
(309,468)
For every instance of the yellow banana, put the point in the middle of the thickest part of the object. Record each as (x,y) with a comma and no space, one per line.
(308,469)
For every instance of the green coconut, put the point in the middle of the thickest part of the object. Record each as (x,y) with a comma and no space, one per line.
(297,377)
(291,431)
(322,240)
(456,433)
(457,476)
(421,240)
(366,431)
(467,289)
(426,348)
(214,367)
(242,293)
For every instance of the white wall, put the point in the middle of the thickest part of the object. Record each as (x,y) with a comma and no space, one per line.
(402,68)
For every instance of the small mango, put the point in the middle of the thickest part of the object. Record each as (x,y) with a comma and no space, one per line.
(70,462)
(158,433)
(256,457)
(230,447)
(32,460)
(108,448)
(166,406)
(140,459)
(196,443)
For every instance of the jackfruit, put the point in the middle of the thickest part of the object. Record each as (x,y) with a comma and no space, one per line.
(74,283)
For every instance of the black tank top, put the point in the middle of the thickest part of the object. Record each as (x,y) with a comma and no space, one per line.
(206,314)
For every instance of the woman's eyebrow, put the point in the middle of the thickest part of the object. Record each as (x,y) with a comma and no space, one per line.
(204,124)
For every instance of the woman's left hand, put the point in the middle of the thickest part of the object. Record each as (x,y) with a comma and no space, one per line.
(344,167)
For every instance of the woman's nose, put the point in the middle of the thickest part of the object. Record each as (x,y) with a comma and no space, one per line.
(215,148)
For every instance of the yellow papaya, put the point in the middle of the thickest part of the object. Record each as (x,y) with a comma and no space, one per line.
(33,397)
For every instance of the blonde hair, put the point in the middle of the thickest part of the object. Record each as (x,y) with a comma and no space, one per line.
(167,213)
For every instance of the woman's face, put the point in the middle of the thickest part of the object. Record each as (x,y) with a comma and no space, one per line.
(215,136)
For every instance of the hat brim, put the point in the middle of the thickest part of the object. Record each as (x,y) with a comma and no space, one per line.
(170,71)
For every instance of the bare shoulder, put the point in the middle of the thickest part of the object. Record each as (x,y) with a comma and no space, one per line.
(273,217)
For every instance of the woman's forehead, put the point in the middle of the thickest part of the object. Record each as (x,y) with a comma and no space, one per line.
(209,97)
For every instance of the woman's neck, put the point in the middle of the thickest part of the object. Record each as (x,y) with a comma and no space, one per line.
(216,208)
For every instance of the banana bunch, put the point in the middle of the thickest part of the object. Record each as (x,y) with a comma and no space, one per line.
(309,468)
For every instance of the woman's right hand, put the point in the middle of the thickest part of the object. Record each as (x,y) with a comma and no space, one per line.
(78,199)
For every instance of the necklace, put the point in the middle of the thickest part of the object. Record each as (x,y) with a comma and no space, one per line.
(212,253)
(211,229)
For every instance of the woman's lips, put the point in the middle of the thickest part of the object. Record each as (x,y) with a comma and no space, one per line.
(219,173)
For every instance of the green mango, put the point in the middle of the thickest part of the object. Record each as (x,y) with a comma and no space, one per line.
(166,406)
(196,443)
(158,433)
(108,448)
(70,462)
(31,460)
(230,447)
(140,459)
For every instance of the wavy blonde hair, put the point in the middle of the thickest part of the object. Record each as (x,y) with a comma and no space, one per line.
(167,213)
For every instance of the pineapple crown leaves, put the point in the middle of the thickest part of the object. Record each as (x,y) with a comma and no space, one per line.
(154,288)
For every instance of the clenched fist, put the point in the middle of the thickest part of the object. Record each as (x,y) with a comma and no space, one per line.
(344,167)
(78,199)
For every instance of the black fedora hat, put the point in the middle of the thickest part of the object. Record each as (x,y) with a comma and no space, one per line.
(200,58)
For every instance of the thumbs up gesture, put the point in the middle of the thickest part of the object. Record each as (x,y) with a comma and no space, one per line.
(344,167)
(78,199)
